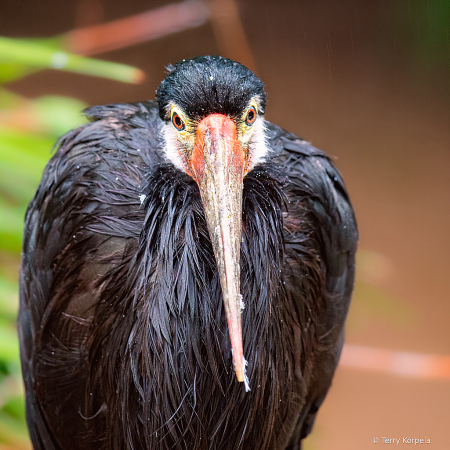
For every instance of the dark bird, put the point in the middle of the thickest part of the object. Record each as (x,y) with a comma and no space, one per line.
(174,249)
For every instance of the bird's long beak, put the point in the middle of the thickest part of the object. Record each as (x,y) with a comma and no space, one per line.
(217,163)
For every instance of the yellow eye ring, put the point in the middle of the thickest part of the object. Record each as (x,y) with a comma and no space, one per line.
(177,122)
(251,116)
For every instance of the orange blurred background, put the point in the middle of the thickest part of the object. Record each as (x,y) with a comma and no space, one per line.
(367,82)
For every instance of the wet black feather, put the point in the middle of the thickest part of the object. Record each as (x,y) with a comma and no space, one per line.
(124,339)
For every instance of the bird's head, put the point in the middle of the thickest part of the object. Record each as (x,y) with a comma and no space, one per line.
(214,130)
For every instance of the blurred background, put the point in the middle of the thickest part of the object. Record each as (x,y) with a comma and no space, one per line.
(368,82)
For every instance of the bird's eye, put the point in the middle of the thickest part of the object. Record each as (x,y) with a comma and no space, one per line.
(177,122)
(251,116)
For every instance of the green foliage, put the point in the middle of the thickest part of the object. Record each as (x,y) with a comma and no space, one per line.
(28,131)
(20,56)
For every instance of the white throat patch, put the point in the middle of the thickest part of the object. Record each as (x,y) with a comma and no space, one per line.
(259,149)
(170,146)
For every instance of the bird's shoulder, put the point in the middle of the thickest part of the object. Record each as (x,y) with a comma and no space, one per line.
(313,178)
(97,162)
(90,193)
(144,110)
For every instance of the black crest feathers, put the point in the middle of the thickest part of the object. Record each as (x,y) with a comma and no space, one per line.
(209,84)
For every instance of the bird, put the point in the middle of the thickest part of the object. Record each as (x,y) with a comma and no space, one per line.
(186,273)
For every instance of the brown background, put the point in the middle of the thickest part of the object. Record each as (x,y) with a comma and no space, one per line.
(355,80)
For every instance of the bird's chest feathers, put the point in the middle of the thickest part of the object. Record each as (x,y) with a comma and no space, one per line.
(179,307)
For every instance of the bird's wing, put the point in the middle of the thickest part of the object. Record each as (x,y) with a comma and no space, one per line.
(85,213)
(315,185)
